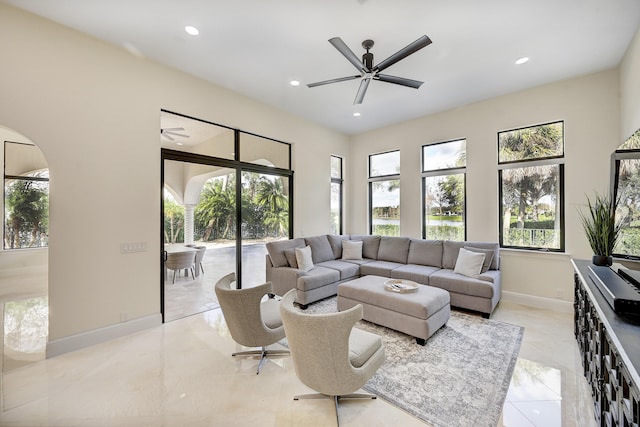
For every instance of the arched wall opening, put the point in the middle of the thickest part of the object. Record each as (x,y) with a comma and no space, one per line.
(24,251)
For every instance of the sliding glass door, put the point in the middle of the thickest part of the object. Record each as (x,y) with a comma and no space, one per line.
(199,227)
(265,218)
(221,209)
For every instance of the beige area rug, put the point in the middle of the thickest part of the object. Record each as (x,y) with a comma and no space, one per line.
(459,378)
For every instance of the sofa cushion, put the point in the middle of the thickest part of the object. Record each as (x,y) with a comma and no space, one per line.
(347,269)
(359,261)
(320,248)
(276,250)
(379,268)
(317,277)
(290,254)
(362,345)
(425,252)
(304,258)
(451,248)
(394,249)
(352,250)
(417,273)
(336,244)
(468,263)
(488,257)
(370,245)
(448,280)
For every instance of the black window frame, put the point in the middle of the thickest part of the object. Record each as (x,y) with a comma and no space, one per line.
(427,173)
(340,182)
(526,163)
(4,195)
(616,158)
(380,178)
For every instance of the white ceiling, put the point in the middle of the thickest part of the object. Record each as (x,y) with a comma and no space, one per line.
(255,47)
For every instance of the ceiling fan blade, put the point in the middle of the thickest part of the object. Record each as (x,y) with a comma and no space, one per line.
(326,82)
(176,134)
(348,53)
(399,80)
(364,84)
(167,136)
(170,129)
(403,53)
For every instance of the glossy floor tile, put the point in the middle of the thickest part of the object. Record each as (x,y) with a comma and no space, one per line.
(547,387)
(182,374)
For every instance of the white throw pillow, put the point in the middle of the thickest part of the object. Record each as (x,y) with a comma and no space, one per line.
(303,257)
(469,263)
(352,249)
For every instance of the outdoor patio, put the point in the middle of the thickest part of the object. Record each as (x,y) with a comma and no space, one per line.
(188,296)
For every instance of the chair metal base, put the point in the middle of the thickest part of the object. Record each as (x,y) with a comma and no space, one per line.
(263,353)
(336,399)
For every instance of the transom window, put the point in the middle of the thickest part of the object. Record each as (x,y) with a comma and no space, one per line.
(531,187)
(384,193)
(443,184)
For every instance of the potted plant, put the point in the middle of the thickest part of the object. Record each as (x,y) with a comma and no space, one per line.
(602,228)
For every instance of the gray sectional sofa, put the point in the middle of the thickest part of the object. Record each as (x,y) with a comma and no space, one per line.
(428,262)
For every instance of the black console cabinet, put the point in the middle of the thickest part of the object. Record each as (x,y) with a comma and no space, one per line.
(610,353)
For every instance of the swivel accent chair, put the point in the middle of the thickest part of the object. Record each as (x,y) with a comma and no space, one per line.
(329,354)
(251,321)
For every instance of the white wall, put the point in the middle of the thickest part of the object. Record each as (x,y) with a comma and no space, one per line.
(588,105)
(94,110)
(630,88)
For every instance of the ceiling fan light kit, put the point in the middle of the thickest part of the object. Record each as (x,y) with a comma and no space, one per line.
(370,72)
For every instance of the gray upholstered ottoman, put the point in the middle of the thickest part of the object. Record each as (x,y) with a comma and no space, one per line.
(419,313)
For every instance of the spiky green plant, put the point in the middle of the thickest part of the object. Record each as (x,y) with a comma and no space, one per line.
(601,225)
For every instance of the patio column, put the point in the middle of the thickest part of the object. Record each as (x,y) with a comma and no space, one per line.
(188,224)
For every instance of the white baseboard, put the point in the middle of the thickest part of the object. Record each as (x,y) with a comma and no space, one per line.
(86,339)
(538,302)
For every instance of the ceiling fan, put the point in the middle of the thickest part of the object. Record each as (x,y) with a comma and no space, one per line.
(171,133)
(370,72)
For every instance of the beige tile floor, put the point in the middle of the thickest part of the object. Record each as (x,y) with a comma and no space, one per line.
(182,374)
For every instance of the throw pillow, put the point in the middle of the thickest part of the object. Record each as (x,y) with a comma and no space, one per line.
(352,249)
(469,263)
(290,254)
(304,259)
(488,257)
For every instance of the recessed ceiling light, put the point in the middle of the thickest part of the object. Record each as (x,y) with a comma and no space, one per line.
(191,30)
(294,83)
(356,114)
(179,143)
(522,60)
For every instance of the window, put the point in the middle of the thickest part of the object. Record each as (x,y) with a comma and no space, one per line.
(531,187)
(443,184)
(627,192)
(336,195)
(384,194)
(26,197)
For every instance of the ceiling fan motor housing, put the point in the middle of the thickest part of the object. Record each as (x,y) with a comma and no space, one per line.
(367,58)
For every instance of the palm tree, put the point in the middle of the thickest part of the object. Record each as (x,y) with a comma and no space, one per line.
(217,207)
(27,205)
(271,195)
(530,143)
(271,198)
(174,220)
